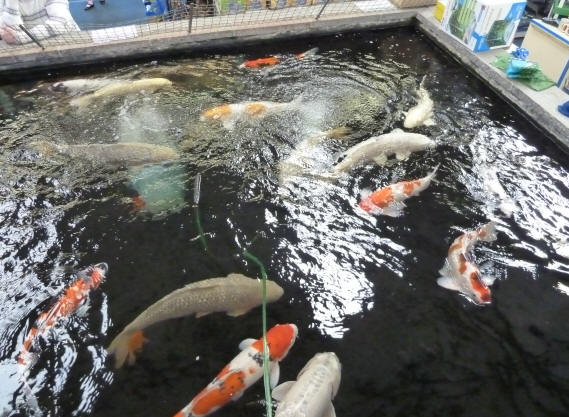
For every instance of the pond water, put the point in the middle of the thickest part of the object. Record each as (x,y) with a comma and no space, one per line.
(361,286)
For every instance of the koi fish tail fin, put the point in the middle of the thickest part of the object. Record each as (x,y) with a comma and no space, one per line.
(487,233)
(125,346)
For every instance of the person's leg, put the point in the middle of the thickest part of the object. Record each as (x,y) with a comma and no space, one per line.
(89,5)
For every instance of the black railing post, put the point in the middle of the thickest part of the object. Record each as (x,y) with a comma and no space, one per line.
(191,18)
(321,10)
(32,37)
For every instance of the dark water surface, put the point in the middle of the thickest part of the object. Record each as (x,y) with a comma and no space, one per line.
(360,286)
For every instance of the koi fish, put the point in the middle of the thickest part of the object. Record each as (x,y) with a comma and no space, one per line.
(229,114)
(137,203)
(422,112)
(122,154)
(378,148)
(492,185)
(303,156)
(243,371)
(260,62)
(310,52)
(87,280)
(123,88)
(271,61)
(460,273)
(314,389)
(389,200)
(81,85)
(236,295)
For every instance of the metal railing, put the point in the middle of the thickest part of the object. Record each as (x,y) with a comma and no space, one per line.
(186,19)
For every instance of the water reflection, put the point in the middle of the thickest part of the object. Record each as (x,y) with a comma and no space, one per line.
(349,277)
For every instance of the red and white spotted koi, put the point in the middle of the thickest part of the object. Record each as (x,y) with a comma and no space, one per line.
(460,273)
(389,200)
(87,280)
(243,371)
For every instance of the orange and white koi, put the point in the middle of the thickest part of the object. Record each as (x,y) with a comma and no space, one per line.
(389,200)
(243,371)
(460,273)
(87,280)
(229,114)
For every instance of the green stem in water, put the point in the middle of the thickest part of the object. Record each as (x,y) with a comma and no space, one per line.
(197,186)
(199,227)
(266,378)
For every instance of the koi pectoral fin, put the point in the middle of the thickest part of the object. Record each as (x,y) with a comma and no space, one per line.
(236,313)
(394,210)
(448,283)
(280,391)
(488,280)
(275,374)
(229,124)
(402,155)
(380,159)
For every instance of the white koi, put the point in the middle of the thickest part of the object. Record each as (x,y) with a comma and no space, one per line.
(82,85)
(313,391)
(460,273)
(379,148)
(492,185)
(422,112)
(123,88)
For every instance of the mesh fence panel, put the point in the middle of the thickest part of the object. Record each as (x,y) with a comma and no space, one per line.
(187,19)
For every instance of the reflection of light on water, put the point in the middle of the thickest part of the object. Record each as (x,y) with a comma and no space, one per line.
(326,260)
(562,288)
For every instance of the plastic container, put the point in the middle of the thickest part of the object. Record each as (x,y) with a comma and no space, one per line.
(439,10)
(483,24)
